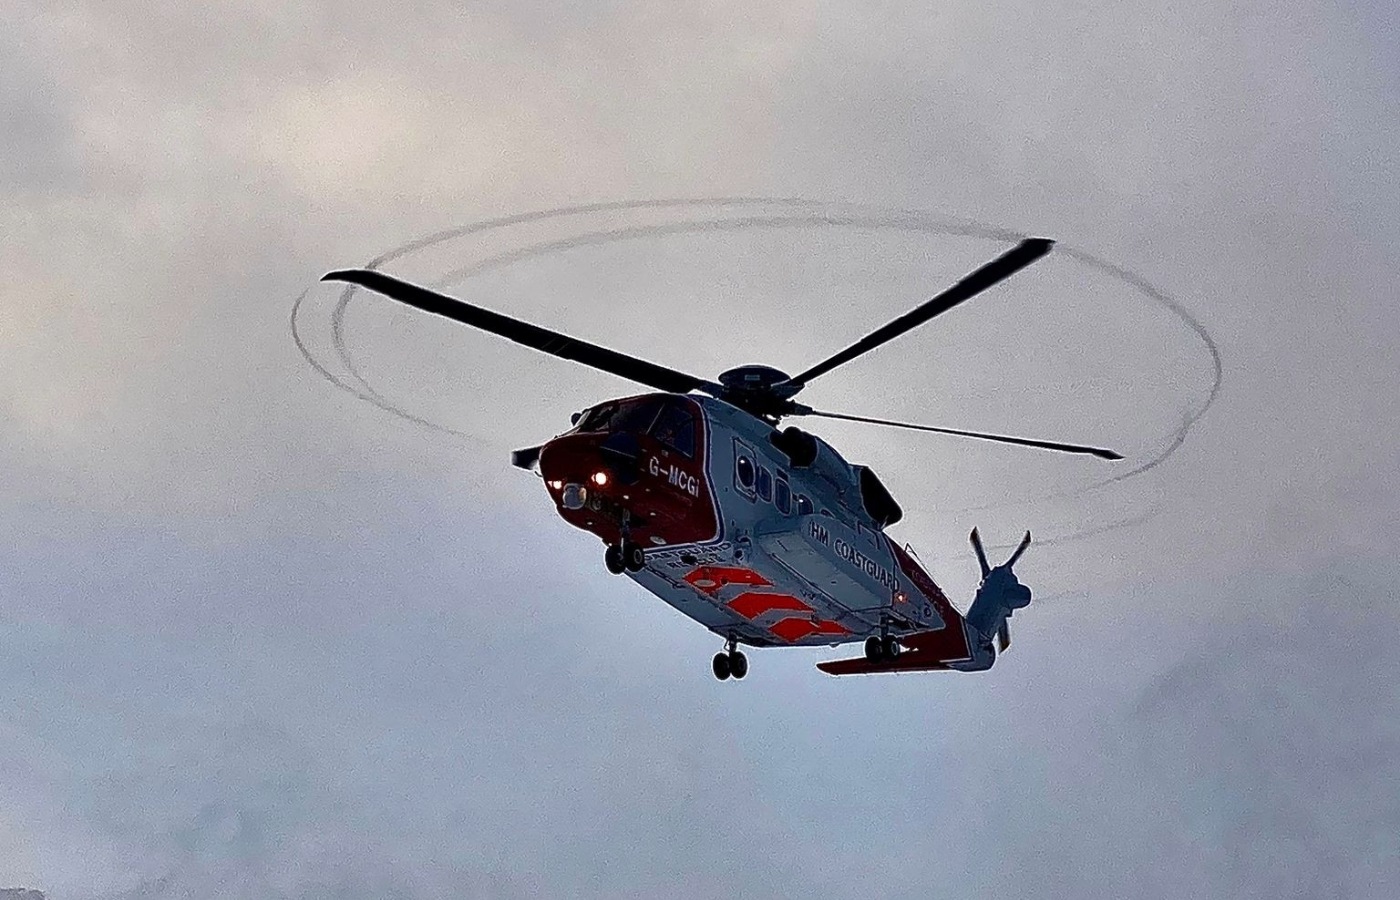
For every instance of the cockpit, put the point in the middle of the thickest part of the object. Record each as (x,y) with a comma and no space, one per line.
(669,420)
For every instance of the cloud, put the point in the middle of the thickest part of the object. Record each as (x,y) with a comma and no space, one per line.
(373,723)
(1250,766)
(259,638)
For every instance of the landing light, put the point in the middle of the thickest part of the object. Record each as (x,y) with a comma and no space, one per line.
(557,485)
(600,478)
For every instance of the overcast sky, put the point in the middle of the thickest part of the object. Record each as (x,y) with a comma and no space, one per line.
(259,638)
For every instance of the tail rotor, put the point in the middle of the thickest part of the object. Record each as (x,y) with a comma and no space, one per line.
(999,595)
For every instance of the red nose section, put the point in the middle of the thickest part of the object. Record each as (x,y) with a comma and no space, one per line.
(578,459)
(597,479)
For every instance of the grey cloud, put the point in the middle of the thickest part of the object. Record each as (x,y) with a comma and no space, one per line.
(368,724)
(38,141)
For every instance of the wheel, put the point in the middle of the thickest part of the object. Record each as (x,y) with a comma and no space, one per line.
(634,557)
(874,649)
(738,664)
(889,647)
(612,558)
(721,666)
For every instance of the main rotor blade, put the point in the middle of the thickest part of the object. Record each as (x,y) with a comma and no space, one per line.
(533,336)
(999,438)
(999,269)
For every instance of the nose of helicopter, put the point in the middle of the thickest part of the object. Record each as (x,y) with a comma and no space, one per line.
(578,468)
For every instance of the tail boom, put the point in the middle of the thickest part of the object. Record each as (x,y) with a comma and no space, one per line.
(965,643)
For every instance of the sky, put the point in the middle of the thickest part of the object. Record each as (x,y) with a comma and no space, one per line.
(262,638)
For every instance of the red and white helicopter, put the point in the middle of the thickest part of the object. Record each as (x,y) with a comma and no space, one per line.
(767,537)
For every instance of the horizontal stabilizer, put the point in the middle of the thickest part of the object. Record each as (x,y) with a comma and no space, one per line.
(923,651)
(526,458)
(859,665)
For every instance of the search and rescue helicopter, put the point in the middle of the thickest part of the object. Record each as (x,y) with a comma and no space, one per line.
(766,536)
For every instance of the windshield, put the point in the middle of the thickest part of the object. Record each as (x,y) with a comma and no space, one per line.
(636,415)
(675,427)
(599,418)
(627,415)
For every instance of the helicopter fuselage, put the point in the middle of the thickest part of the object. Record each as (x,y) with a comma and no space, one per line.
(765,537)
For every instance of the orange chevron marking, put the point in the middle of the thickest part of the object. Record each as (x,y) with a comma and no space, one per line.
(752,604)
(795,628)
(710,579)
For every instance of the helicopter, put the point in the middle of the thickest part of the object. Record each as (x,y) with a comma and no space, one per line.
(767,536)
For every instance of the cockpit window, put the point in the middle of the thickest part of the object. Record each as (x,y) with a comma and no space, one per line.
(632,415)
(636,417)
(675,427)
(598,418)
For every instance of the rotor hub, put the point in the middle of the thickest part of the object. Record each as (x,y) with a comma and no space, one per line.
(760,390)
(752,379)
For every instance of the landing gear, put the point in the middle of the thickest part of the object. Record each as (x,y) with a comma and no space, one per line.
(881,648)
(612,558)
(730,662)
(628,557)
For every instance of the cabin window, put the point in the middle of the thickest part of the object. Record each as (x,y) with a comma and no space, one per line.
(743,468)
(675,427)
(782,494)
(804,505)
(764,484)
